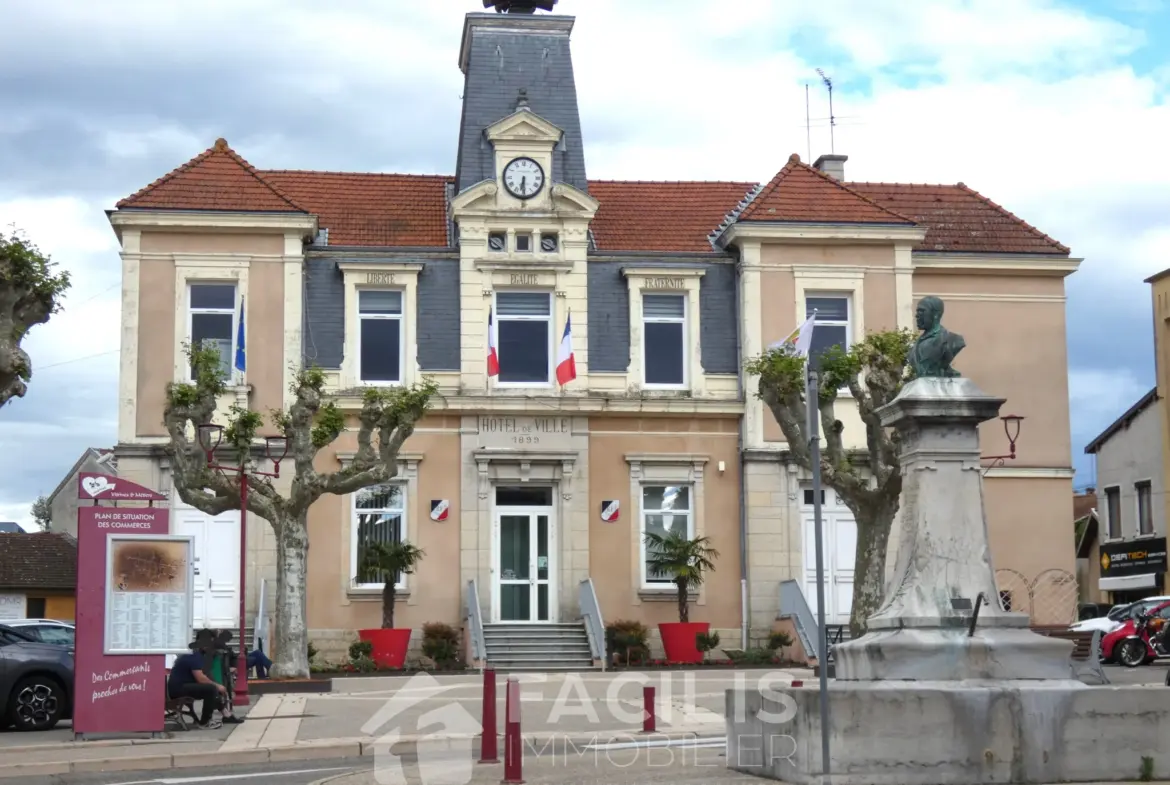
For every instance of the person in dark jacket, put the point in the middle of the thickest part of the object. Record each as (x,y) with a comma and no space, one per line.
(189,679)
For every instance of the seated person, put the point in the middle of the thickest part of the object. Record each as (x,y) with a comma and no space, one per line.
(222,670)
(189,680)
(259,660)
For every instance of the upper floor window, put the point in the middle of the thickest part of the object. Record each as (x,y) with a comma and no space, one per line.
(524,335)
(380,339)
(832,325)
(664,318)
(1145,513)
(1113,512)
(379,516)
(212,313)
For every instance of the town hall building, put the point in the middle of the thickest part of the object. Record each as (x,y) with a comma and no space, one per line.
(532,498)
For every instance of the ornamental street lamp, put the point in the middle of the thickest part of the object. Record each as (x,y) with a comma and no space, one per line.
(275,449)
(1011,429)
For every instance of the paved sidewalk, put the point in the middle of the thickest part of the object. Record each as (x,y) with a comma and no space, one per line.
(398,713)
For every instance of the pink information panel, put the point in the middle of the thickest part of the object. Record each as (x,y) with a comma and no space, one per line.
(114,693)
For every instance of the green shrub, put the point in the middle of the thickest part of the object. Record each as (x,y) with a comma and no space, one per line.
(707,641)
(627,640)
(361,650)
(441,643)
(312,651)
(779,640)
(756,655)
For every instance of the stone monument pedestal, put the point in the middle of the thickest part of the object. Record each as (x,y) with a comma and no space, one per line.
(925,698)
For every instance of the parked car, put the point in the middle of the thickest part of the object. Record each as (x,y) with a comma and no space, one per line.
(1117,616)
(60,633)
(36,682)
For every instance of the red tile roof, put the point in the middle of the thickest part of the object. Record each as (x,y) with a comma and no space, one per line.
(216,179)
(661,216)
(38,561)
(959,219)
(372,209)
(411,210)
(800,193)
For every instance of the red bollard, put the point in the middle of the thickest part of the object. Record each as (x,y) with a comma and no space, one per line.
(488,750)
(648,720)
(513,751)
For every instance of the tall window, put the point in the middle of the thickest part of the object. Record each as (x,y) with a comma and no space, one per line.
(379,515)
(380,341)
(524,335)
(664,318)
(1113,512)
(212,309)
(1144,512)
(832,325)
(664,509)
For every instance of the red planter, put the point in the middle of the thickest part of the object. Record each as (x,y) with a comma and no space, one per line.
(678,639)
(389,646)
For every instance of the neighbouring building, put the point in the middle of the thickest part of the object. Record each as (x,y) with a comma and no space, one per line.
(38,576)
(523,485)
(1125,542)
(10,527)
(64,501)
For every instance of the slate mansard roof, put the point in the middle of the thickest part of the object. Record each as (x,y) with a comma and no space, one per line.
(38,561)
(408,210)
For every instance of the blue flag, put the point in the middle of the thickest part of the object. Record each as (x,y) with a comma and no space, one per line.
(241,355)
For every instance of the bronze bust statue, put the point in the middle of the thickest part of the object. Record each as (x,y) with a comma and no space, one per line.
(934,350)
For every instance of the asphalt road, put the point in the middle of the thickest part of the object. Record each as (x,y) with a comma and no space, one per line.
(292,773)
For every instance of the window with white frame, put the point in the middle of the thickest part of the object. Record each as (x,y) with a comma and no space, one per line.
(379,516)
(1113,512)
(212,320)
(1145,513)
(524,337)
(832,325)
(665,508)
(664,330)
(380,336)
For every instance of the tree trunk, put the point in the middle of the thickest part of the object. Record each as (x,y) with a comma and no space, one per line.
(291,660)
(869,565)
(388,604)
(684,611)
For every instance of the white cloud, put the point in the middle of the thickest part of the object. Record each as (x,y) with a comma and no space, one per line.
(1098,397)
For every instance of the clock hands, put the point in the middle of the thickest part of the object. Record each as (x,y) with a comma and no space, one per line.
(523,181)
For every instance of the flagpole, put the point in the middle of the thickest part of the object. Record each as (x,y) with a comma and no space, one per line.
(814,439)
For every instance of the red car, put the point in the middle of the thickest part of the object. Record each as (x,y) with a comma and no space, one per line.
(1132,643)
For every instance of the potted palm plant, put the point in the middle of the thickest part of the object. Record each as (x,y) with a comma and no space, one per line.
(685,561)
(381,562)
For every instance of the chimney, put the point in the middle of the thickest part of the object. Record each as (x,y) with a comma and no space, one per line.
(832,165)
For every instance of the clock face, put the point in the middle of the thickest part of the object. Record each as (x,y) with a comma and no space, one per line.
(523,178)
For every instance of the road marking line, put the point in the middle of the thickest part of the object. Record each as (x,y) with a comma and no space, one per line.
(221,777)
(283,728)
(713,742)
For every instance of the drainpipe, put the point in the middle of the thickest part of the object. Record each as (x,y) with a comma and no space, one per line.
(743,549)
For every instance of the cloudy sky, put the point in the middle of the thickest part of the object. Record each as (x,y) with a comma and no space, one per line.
(1055,109)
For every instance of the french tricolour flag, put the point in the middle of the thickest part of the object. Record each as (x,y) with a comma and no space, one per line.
(566,363)
(493,356)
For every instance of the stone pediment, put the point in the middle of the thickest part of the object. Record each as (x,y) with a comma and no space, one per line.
(523,125)
(483,199)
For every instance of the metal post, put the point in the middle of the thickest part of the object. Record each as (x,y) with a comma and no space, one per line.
(513,751)
(241,696)
(649,722)
(814,439)
(488,751)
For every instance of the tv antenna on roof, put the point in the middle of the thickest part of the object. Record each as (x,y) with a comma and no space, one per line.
(832,120)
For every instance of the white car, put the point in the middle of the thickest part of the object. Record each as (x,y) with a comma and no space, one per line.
(1118,615)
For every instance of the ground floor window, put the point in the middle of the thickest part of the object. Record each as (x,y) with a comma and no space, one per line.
(379,515)
(665,508)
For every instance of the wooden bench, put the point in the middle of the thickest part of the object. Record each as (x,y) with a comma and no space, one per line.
(1086,653)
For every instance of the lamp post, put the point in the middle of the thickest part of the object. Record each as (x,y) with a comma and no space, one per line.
(1011,429)
(275,448)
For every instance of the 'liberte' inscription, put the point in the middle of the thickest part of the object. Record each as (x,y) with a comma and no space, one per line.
(525,430)
(380,278)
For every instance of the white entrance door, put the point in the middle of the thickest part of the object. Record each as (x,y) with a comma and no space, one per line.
(217,565)
(524,583)
(839,531)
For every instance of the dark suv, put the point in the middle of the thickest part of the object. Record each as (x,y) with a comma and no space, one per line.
(36,682)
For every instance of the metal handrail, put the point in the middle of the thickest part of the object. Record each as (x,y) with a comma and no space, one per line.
(474,620)
(594,624)
(260,629)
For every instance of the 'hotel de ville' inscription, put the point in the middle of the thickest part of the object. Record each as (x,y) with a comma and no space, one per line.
(525,432)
